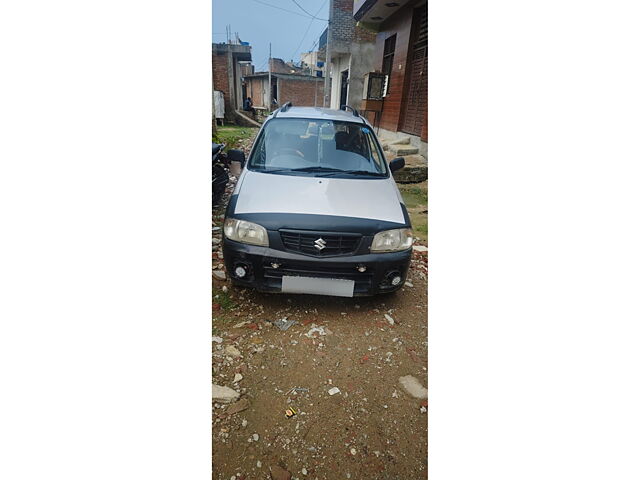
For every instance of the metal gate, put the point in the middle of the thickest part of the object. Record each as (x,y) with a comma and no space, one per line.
(415,103)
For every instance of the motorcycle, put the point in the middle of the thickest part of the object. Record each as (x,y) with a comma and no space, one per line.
(220,170)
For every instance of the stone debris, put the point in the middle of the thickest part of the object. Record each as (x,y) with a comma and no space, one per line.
(244,422)
(255,437)
(219,275)
(284,324)
(224,394)
(233,351)
(353,451)
(304,471)
(423,410)
(216,339)
(389,319)
(420,248)
(237,377)
(259,464)
(314,329)
(408,283)
(333,391)
(413,387)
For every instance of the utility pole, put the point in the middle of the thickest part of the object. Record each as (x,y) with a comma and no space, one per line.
(270,98)
(327,84)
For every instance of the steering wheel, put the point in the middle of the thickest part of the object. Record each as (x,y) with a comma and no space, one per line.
(288,150)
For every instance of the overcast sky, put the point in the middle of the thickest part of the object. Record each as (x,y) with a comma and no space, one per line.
(258,23)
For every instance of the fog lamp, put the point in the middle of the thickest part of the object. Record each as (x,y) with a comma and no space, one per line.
(362,268)
(240,272)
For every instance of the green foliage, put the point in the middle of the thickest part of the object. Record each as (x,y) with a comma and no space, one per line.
(231,135)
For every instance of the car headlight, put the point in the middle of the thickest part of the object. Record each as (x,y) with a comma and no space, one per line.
(392,240)
(245,232)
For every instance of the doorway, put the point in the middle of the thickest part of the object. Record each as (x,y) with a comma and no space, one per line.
(344,85)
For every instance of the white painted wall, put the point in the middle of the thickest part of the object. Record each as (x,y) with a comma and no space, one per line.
(338,65)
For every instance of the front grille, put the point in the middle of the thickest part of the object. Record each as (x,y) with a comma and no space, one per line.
(333,243)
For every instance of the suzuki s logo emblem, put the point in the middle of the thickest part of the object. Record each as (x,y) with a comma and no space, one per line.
(320,244)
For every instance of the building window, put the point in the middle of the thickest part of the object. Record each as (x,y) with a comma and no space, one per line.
(387,59)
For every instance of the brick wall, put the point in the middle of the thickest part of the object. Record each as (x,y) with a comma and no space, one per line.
(221,79)
(300,92)
(279,66)
(246,69)
(254,91)
(343,26)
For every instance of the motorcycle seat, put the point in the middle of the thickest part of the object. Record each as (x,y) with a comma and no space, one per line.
(215,148)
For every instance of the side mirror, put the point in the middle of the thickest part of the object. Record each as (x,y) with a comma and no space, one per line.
(396,164)
(236,156)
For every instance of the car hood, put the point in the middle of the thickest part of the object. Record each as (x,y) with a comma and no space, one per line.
(376,199)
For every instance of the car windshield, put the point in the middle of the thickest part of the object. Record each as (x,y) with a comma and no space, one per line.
(294,146)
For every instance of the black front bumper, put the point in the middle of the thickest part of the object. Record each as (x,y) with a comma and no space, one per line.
(263,277)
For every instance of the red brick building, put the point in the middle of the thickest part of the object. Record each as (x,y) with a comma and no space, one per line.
(227,74)
(280,66)
(300,90)
(401,53)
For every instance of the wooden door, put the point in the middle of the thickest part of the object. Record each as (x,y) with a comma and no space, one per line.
(415,100)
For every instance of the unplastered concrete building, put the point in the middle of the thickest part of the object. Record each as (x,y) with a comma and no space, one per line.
(350,55)
(227,61)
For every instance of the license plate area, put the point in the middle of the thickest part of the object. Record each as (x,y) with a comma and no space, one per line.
(318,286)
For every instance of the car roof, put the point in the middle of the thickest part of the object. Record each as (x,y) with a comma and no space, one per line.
(319,113)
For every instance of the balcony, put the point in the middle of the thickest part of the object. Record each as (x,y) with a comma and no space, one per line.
(376,11)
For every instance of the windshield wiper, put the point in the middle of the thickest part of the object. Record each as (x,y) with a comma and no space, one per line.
(274,170)
(316,169)
(303,169)
(353,172)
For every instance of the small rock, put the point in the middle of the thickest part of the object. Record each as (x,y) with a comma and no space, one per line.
(333,391)
(423,410)
(224,394)
(408,283)
(256,437)
(233,477)
(413,386)
(244,422)
(389,319)
(353,451)
(216,339)
(224,288)
(237,378)
(304,471)
(219,275)
(259,464)
(419,248)
(233,351)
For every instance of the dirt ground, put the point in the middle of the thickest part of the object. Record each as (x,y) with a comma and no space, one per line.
(372,429)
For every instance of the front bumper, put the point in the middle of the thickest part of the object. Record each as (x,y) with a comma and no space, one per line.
(263,277)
